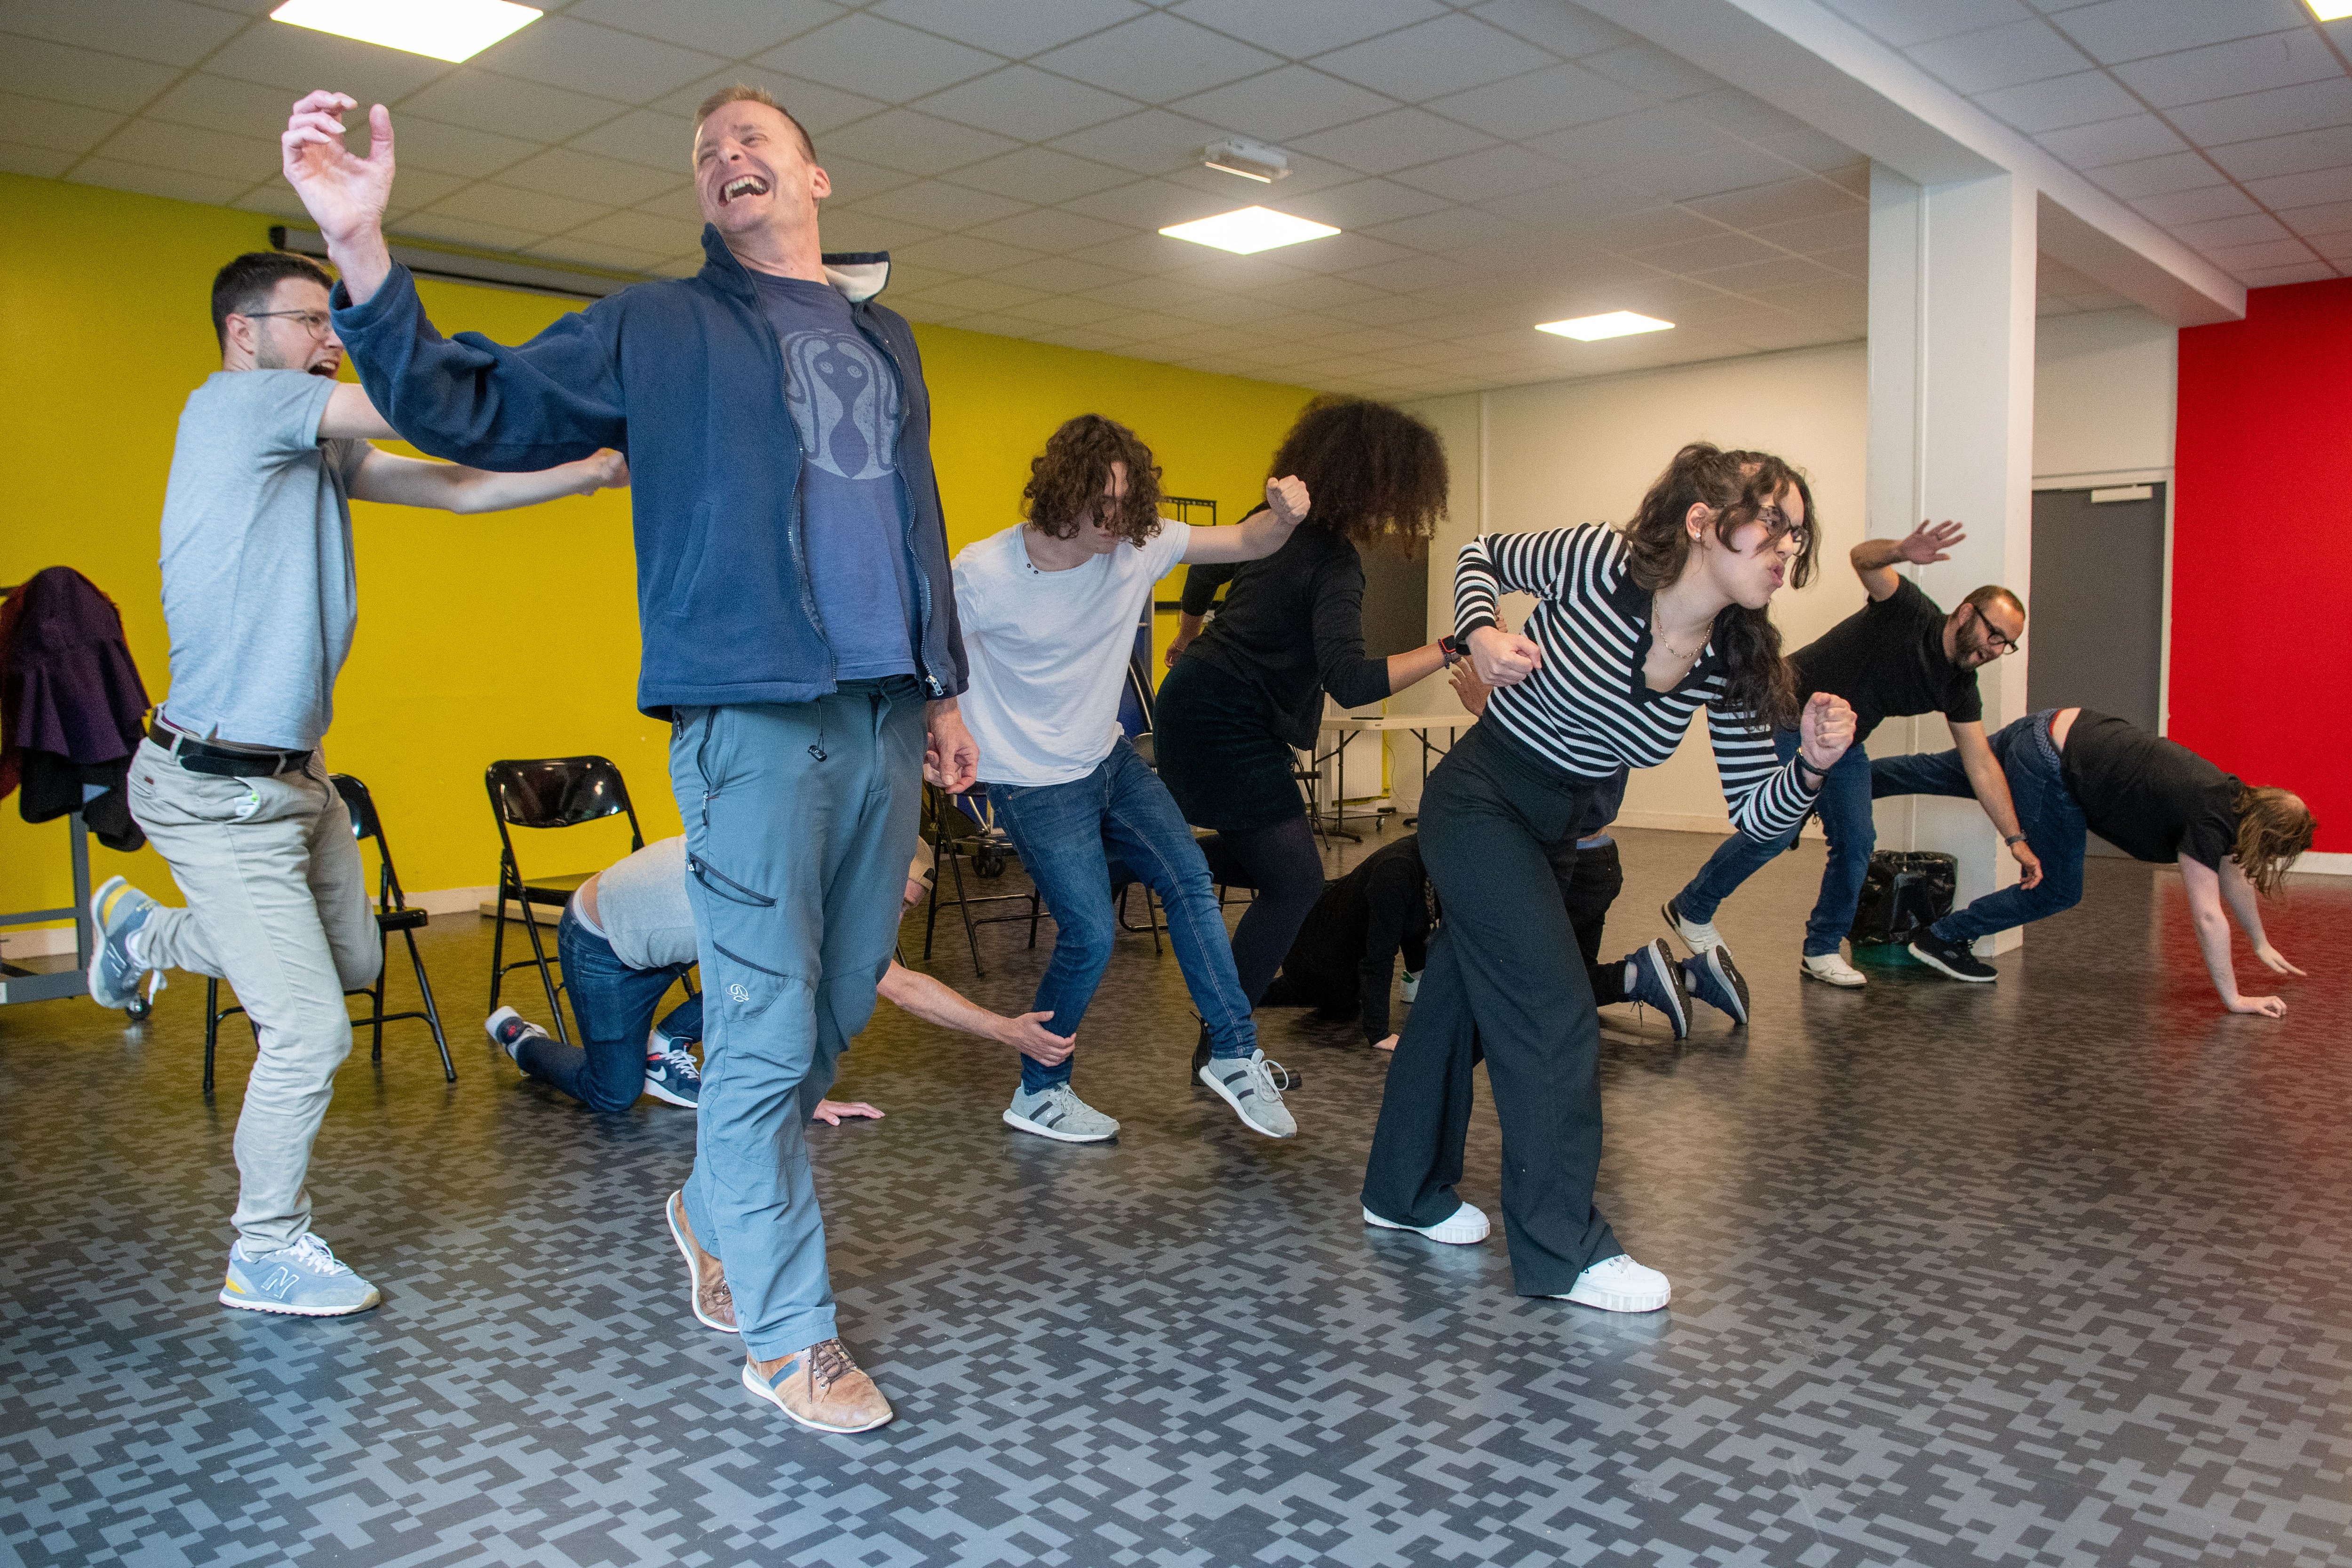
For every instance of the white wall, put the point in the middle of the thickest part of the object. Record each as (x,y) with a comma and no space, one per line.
(1582,451)
(2103,396)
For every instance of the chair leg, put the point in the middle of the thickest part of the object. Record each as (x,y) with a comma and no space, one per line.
(1151,913)
(498,943)
(546,977)
(1036,910)
(431,1012)
(375,1017)
(931,906)
(964,908)
(211,1030)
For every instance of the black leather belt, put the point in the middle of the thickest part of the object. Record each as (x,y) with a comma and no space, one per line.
(221,762)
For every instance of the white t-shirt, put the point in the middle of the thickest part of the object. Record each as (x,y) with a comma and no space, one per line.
(1048,651)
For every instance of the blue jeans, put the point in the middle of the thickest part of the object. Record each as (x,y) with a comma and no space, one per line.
(2046,811)
(613,1006)
(1066,835)
(1844,807)
(800,819)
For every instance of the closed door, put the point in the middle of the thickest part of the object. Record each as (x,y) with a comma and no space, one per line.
(2095,622)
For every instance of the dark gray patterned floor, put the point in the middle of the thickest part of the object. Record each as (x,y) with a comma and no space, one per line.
(2048,1272)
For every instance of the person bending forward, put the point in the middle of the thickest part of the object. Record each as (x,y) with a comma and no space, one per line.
(1049,609)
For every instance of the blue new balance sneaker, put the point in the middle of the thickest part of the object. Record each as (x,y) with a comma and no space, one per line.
(672,1078)
(1714,979)
(1658,983)
(303,1280)
(119,912)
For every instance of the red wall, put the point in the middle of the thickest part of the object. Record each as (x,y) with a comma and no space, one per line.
(2262,548)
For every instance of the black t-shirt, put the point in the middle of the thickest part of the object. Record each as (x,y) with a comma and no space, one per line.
(1292,627)
(2152,798)
(1888,660)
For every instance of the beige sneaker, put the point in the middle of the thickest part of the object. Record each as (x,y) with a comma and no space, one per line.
(706,1277)
(820,1387)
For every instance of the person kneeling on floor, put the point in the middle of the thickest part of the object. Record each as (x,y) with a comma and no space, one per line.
(626,937)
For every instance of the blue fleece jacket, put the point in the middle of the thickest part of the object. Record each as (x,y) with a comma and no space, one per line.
(686,377)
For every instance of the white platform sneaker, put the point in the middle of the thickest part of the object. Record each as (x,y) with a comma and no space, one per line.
(1463,1226)
(1620,1285)
(1832,969)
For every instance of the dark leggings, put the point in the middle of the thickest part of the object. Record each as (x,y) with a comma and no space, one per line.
(1282,864)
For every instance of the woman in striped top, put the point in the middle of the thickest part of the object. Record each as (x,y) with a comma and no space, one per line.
(1633,632)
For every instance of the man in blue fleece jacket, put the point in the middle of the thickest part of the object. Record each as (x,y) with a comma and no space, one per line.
(798,619)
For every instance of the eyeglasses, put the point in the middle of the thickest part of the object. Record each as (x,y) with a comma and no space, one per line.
(2001,647)
(315,322)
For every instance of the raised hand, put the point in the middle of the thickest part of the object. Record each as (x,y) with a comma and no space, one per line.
(1290,499)
(1930,543)
(1824,731)
(344,194)
(1029,1035)
(1504,658)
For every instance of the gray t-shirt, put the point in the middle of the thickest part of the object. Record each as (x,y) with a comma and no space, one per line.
(258,587)
(641,903)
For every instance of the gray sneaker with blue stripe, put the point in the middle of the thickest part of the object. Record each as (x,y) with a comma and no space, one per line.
(304,1281)
(119,912)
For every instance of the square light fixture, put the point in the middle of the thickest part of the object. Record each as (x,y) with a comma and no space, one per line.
(1248,231)
(1612,324)
(450,30)
(2330,10)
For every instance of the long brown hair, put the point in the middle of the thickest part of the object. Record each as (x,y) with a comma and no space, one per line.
(1069,477)
(2273,827)
(1738,488)
(1373,472)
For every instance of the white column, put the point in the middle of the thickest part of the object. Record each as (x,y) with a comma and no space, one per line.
(1951,435)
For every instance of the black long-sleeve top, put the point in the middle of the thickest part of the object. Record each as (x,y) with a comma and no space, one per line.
(1292,627)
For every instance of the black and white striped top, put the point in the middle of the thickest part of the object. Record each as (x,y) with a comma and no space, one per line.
(1586,708)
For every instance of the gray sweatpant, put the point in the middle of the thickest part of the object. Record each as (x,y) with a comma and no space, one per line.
(278,906)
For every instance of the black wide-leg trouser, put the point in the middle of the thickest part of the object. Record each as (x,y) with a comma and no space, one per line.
(1505,982)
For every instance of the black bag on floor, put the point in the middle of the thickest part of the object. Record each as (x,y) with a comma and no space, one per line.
(1905,891)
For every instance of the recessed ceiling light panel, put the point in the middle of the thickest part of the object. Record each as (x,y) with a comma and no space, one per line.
(1613,324)
(2330,10)
(1248,230)
(450,30)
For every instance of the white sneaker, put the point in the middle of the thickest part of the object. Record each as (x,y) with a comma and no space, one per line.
(1697,935)
(1055,1111)
(1620,1285)
(1467,1226)
(1412,985)
(1832,969)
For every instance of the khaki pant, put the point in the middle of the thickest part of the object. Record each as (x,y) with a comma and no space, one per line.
(278,906)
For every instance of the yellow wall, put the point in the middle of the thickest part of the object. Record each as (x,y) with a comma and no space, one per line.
(509,635)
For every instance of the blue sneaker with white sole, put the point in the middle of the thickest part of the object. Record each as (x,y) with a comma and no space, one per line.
(1658,984)
(119,912)
(673,1079)
(1713,979)
(304,1281)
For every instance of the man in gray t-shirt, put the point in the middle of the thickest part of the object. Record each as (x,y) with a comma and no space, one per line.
(261,598)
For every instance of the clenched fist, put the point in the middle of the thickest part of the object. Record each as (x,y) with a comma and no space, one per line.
(1825,731)
(1504,658)
(1288,498)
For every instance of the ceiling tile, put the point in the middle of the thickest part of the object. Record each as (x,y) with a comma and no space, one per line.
(634,231)
(148,180)
(1782,201)
(1145,204)
(854,180)
(1703,175)
(1837,231)
(1063,275)
(510,106)
(1583,200)
(1080,338)
(2300,272)
(2196,207)
(1540,101)
(1387,309)
(643,136)
(1343,253)
(2000,57)
(1050,229)
(2059,102)
(1232,310)
(2321,217)
(850,229)
(1296,32)
(69,75)
(2149,176)
(59,127)
(167,32)
(1782,272)
(239,108)
(1490,172)
(1292,100)
(1027,104)
(2312,186)
(568,171)
(246,160)
(1400,139)
(1158,57)
(902,139)
(2266,253)
(1152,142)
(468,231)
(965,255)
(1361,203)
(1448,54)
(1645,136)
(454,149)
(560,52)
(818,107)
(1568,31)
(590,253)
(1133,294)
(2133,137)
(980,294)
(683,205)
(2131,29)
(1906,22)
(733,29)
(2224,70)
(1419,272)
(2287,154)
(1015,31)
(1652,72)
(1053,310)
(940,206)
(864,54)
(2247,228)
(2282,111)
(299,60)
(535,210)
(1723,249)
(1809,149)
(1041,176)
(1750,119)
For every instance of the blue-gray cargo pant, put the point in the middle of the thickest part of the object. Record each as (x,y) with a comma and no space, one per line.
(800,820)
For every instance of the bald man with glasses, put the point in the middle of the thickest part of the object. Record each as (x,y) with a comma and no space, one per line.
(1899,655)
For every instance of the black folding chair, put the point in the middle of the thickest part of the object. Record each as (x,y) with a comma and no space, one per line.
(960,828)
(547,793)
(392,914)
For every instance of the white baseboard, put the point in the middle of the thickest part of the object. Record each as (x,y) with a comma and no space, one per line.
(2313,863)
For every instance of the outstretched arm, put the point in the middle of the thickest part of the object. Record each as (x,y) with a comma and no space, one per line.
(934,1002)
(1260,534)
(1991,785)
(2239,894)
(410,481)
(1874,560)
(2204,886)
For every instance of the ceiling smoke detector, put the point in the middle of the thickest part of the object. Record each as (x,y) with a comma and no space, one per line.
(1250,159)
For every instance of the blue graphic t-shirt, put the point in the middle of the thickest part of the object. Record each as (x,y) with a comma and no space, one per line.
(843,398)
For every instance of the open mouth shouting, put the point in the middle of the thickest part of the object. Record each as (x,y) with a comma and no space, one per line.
(742,185)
